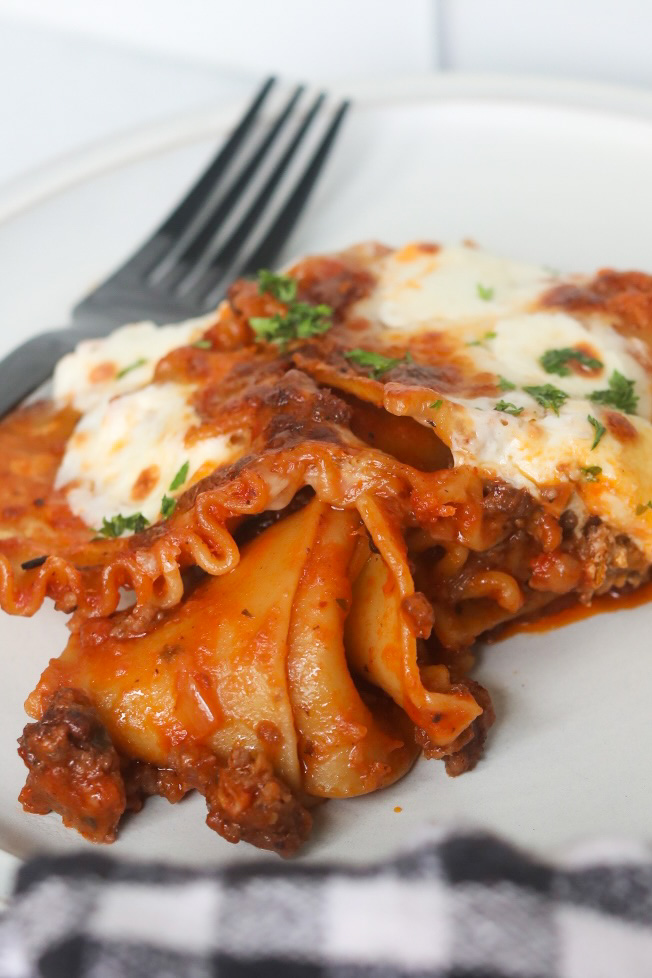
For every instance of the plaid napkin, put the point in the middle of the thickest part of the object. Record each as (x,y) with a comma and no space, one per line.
(461,905)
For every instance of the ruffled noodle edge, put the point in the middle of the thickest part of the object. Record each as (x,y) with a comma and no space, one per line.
(199,535)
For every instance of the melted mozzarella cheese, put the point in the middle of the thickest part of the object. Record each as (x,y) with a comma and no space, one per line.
(120,362)
(418,290)
(495,324)
(125,452)
(537,452)
(537,448)
(515,350)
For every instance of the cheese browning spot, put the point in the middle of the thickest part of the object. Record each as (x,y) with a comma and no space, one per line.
(145,482)
(102,372)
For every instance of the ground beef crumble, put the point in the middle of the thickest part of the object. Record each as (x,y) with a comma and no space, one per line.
(248,802)
(465,752)
(74,768)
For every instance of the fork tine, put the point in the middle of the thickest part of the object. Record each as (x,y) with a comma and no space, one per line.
(223,260)
(187,260)
(275,238)
(154,249)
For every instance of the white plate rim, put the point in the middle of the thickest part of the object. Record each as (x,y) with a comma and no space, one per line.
(128,146)
(132,144)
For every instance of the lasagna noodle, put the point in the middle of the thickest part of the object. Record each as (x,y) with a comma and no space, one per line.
(384,535)
(89,574)
(253,659)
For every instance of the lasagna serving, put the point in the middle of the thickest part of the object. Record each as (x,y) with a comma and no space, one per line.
(279,530)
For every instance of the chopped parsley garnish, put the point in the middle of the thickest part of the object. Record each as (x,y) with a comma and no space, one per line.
(490,335)
(282,287)
(485,292)
(376,361)
(202,344)
(640,509)
(508,408)
(132,366)
(547,396)
(436,405)
(556,361)
(168,503)
(168,506)
(599,429)
(180,477)
(591,472)
(299,322)
(506,385)
(120,524)
(619,395)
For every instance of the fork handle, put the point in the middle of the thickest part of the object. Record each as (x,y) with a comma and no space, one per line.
(31,364)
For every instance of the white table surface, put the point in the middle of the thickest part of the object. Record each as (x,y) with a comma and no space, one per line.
(60,92)
(75,73)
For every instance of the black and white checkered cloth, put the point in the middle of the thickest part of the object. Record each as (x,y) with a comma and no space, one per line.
(462,905)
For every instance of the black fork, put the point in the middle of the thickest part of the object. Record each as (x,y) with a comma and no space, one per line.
(233,221)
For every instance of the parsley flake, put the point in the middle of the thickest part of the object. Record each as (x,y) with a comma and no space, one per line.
(282,287)
(508,408)
(299,322)
(556,361)
(599,429)
(547,396)
(640,509)
(591,472)
(168,506)
(485,292)
(180,477)
(120,524)
(436,405)
(376,361)
(505,385)
(619,395)
(202,344)
(132,366)
(489,335)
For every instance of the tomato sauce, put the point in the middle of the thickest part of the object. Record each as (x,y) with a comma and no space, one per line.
(578,612)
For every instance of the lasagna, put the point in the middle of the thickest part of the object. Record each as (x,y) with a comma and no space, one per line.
(279,530)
